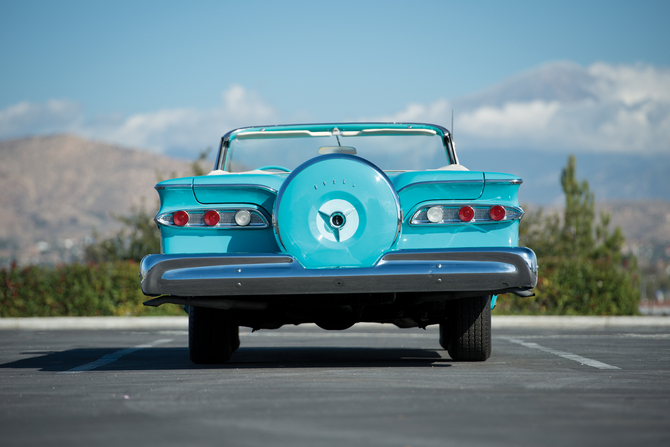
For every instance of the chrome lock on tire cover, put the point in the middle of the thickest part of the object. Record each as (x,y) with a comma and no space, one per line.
(337,210)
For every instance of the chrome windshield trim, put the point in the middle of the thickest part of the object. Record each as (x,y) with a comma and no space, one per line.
(222,162)
(442,129)
(451,148)
(223,148)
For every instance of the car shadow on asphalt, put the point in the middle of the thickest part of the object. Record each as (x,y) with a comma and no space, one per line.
(166,358)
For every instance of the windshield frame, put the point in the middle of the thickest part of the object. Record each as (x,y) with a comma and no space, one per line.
(322,129)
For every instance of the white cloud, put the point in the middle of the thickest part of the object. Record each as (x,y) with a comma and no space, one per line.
(631,85)
(433,113)
(188,129)
(509,121)
(30,118)
(621,108)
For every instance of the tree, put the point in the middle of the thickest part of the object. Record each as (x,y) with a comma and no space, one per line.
(577,234)
(582,270)
(139,237)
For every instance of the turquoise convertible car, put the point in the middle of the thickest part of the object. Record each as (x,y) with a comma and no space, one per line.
(336,224)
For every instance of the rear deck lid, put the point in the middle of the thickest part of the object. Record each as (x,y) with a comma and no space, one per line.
(417,186)
(260,189)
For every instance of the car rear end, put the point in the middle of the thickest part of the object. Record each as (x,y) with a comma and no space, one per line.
(336,240)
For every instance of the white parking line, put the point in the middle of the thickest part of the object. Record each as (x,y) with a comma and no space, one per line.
(564,354)
(109,358)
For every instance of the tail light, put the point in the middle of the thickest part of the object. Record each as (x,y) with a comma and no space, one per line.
(497,213)
(435,214)
(220,218)
(212,218)
(453,214)
(466,213)
(180,218)
(243,218)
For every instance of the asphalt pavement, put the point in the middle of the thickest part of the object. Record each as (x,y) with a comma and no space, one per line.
(372,385)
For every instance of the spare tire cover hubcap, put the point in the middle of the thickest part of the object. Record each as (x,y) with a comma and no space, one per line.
(337,220)
(337,210)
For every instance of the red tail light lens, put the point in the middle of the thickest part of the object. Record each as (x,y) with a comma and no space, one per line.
(497,213)
(180,218)
(211,218)
(466,213)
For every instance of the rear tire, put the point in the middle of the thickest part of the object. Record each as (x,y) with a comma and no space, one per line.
(466,334)
(209,336)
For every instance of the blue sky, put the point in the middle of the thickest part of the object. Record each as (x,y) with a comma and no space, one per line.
(100,68)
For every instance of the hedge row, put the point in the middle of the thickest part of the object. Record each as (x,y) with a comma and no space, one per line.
(565,287)
(105,289)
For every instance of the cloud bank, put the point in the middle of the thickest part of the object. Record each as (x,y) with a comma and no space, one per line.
(177,131)
(559,106)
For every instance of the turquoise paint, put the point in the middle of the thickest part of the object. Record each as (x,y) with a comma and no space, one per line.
(458,236)
(231,188)
(176,182)
(175,198)
(355,187)
(207,240)
(494,298)
(273,180)
(403,180)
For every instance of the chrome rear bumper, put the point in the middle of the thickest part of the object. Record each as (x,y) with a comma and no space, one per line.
(487,270)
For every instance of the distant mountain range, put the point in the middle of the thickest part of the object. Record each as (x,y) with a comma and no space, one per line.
(55,190)
(564,107)
(561,81)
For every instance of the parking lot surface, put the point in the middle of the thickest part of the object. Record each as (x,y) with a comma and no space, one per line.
(369,386)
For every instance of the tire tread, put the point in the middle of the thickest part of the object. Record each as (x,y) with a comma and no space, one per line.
(466,334)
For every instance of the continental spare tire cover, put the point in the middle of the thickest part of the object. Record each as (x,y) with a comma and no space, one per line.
(337,210)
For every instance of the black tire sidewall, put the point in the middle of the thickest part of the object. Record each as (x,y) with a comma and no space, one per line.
(466,334)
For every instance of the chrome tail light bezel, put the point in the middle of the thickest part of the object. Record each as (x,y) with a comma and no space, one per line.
(196,218)
(450,214)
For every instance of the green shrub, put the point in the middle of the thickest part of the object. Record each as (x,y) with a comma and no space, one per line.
(105,289)
(138,237)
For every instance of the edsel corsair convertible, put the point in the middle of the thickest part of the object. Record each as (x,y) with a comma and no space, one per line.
(336,224)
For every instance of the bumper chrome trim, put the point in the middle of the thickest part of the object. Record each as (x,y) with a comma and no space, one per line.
(455,270)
